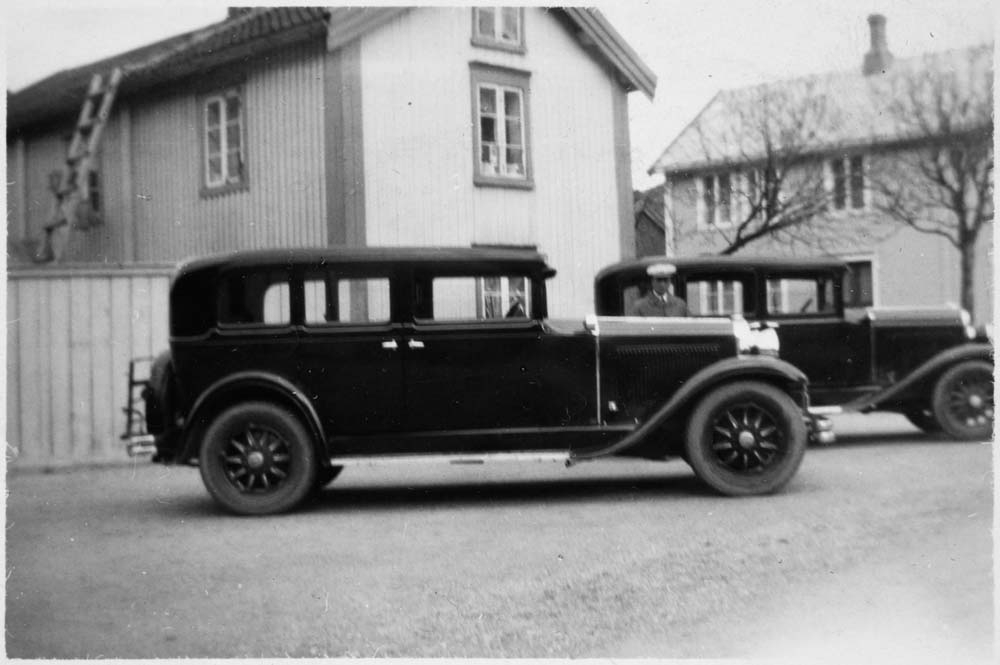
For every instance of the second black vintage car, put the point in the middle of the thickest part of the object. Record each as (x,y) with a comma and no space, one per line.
(929,364)
(287,365)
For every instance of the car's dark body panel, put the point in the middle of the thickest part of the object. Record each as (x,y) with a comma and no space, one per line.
(287,365)
(851,356)
(530,383)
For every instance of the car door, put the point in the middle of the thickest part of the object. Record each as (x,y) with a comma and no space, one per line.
(472,363)
(349,357)
(834,353)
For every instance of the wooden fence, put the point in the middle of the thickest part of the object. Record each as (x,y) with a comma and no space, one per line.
(70,334)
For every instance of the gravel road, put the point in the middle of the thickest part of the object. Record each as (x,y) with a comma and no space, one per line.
(880,549)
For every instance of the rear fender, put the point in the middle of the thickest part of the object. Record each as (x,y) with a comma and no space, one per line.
(919,381)
(763,368)
(248,386)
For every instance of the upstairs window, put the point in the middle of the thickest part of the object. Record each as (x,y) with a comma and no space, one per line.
(500,109)
(715,201)
(498,27)
(224,142)
(847,182)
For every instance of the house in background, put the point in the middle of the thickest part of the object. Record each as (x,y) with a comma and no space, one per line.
(712,173)
(307,127)
(650,233)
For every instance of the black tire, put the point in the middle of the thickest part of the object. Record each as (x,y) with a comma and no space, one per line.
(159,395)
(963,401)
(746,438)
(922,419)
(257,459)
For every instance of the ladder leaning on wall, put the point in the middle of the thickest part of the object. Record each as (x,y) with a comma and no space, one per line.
(73,205)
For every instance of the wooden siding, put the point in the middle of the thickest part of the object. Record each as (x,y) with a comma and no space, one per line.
(70,335)
(418,148)
(284,205)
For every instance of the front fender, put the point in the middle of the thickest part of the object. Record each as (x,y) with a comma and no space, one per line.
(913,382)
(730,369)
(240,386)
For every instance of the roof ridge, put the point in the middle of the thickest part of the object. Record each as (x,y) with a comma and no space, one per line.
(831,73)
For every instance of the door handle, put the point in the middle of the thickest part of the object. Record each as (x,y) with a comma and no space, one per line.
(414,344)
(391,345)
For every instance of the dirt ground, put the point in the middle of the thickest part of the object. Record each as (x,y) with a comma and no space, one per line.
(879,551)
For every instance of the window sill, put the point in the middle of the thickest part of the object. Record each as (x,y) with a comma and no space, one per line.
(222,190)
(482,42)
(505,183)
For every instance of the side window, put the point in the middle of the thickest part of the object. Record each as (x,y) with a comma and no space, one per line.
(479,298)
(223,126)
(800,296)
(858,284)
(715,297)
(329,299)
(255,298)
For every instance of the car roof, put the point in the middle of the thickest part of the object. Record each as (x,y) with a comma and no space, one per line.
(710,262)
(514,258)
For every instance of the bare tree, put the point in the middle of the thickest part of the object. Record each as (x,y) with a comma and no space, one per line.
(779,190)
(941,181)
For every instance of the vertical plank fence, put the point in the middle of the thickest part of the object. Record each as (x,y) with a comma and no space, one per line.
(71,331)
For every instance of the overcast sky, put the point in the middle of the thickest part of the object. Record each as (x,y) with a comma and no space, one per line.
(695,48)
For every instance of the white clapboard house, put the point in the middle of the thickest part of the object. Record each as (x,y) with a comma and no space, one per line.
(299,127)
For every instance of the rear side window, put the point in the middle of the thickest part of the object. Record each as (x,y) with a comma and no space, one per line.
(255,298)
(331,300)
(800,296)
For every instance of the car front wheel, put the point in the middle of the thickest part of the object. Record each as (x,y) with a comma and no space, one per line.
(746,438)
(963,401)
(257,459)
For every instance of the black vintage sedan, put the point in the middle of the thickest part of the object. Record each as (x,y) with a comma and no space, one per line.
(927,363)
(287,365)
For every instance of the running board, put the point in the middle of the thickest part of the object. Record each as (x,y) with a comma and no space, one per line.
(826,410)
(454,458)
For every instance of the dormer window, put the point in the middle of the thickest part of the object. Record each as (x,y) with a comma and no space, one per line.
(498,27)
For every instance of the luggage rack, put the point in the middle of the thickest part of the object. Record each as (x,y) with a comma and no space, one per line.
(137,440)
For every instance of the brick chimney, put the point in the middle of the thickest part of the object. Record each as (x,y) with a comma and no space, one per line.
(878,59)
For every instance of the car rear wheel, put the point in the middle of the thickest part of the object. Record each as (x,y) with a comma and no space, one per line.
(963,401)
(746,438)
(257,459)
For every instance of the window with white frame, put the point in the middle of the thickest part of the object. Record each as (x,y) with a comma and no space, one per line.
(224,151)
(847,182)
(500,109)
(498,27)
(715,200)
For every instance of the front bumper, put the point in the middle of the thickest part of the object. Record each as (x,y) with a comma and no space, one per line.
(820,430)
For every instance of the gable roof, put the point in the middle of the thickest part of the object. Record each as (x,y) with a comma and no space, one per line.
(261,29)
(850,109)
(649,204)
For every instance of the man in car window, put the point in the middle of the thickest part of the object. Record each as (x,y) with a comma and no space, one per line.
(659,301)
